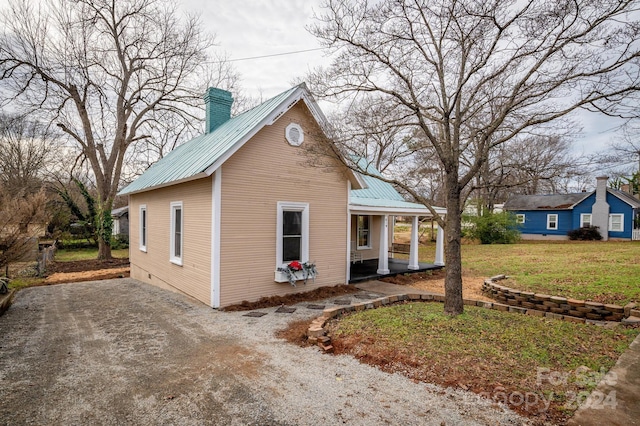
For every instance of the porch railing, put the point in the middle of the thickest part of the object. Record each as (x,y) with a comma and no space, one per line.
(635,236)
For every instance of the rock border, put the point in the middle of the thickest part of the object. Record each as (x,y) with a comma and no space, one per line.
(317,332)
(5,300)
(573,308)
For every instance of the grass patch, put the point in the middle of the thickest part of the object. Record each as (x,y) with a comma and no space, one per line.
(64,255)
(486,351)
(602,271)
(23,282)
(605,272)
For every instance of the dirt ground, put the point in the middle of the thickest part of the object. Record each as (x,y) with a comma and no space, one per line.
(123,352)
(290,299)
(86,270)
(434,282)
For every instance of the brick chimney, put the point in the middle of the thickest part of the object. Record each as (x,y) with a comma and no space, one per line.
(218,103)
(600,209)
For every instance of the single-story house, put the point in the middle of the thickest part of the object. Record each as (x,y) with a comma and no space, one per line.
(615,213)
(222,216)
(120,217)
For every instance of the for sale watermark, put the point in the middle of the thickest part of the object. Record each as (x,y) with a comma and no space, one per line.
(582,377)
(555,383)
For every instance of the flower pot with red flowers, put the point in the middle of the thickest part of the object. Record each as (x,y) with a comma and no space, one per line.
(296,271)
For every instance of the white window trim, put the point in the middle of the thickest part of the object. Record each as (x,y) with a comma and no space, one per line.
(292,206)
(368,246)
(582,216)
(300,133)
(549,221)
(172,257)
(143,228)
(520,218)
(621,222)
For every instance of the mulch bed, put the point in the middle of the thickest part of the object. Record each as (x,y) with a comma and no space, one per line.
(292,299)
(86,265)
(408,279)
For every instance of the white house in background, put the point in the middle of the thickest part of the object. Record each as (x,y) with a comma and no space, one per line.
(120,217)
(219,215)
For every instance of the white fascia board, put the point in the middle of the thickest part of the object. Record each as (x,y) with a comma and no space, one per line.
(354,209)
(619,198)
(581,200)
(164,185)
(284,106)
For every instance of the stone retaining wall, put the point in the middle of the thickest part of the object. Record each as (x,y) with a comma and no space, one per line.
(583,309)
(317,333)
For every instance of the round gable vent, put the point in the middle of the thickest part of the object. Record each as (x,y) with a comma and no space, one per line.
(294,134)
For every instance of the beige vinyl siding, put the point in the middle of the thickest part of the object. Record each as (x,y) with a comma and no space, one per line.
(374,251)
(194,276)
(264,171)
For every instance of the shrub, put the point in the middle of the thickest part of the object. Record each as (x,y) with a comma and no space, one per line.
(71,244)
(588,233)
(494,228)
(120,242)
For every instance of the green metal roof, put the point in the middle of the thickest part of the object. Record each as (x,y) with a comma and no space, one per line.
(376,189)
(192,159)
(200,156)
(380,194)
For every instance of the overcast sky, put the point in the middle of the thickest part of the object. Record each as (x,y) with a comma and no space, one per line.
(249,28)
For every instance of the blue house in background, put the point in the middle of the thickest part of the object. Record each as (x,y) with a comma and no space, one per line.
(615,213)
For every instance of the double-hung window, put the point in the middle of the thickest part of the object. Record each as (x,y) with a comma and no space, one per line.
(520,218)
(292,233)
(143,228)
(616,222)
(585,220)
(364,232)
(177,231)
(552,221)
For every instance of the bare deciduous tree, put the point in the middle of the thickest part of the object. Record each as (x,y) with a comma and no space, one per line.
(26,154)
(472,75)
(527,165)
(371,126)
(625,152)
(104,72)
(23,218)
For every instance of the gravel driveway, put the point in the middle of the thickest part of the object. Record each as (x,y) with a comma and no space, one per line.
(123,352)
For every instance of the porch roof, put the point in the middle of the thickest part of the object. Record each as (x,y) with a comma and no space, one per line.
(405,208)
(381,197)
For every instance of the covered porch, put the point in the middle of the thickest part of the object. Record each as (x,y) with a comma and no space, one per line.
(372,245)
(373,251)
(370,228)
(368,269)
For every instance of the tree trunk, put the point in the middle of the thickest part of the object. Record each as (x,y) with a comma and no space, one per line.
(104,224)
(104,249)
(453,260)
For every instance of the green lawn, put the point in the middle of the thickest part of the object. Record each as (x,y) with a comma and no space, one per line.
(64,255)
(605,271)
(484,349)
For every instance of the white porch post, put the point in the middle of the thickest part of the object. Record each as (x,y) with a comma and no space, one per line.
(392,227)
(413,251)
(383,259)
(439,261)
